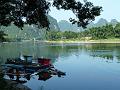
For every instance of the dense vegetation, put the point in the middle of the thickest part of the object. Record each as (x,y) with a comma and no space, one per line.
(20,12)
(29,32)
(2,36)
(104,32)
(107,31)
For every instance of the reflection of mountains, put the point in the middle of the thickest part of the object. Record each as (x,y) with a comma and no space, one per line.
(53,51)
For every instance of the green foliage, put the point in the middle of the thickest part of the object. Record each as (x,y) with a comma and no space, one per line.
(15,10)
(70,35)
(104,32)
(29,32)
(85,12)
(35,12)
(57,35)
(2,36)
(117,31)
(53,35)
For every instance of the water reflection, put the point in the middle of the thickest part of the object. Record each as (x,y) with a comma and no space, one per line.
(88,66)
(18,69)
(110,52)
(53,51)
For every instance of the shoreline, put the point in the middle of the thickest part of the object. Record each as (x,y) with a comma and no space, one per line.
(107,41)
(86,42)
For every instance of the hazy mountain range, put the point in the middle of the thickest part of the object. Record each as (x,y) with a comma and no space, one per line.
(66,26)
(32,32)
(29,31)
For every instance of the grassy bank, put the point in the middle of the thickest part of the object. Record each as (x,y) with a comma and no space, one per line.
(85,41)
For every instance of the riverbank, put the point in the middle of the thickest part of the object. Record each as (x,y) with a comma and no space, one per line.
(72,41)
(86,41)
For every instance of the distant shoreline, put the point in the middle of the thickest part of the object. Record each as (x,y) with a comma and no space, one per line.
(87,41)
(114,41)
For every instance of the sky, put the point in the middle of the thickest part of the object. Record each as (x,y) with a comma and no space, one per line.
(110,11)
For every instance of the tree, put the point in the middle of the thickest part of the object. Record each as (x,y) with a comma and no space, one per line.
(117,30)
(70,35)
(20,12)
(52,35)
(2,34)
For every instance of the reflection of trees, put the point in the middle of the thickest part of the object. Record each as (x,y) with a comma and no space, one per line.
(118,57)
(53,51)
(118,52)
(102,47)
(105,51)
(109,57)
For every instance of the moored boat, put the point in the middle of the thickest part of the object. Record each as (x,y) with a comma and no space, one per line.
(24,67)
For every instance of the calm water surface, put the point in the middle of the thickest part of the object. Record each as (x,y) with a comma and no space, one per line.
(87,66)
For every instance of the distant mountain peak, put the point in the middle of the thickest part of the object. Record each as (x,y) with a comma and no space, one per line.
(113,22)
(101,22)
(66,26)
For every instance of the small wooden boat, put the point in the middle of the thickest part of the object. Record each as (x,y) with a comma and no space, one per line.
(28,61)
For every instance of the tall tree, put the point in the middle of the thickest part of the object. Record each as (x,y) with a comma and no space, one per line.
(22,12)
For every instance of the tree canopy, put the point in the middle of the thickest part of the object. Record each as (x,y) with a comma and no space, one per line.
(107,31)
(20,12)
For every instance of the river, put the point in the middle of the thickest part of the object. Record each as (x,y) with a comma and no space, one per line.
(87,66)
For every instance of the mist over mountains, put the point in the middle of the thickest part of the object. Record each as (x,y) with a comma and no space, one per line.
(66,26)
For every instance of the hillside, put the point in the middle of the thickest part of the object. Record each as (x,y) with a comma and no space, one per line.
(66,26)
(29,32)
(101,22)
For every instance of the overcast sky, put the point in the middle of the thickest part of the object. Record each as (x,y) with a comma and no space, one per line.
(111,10)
